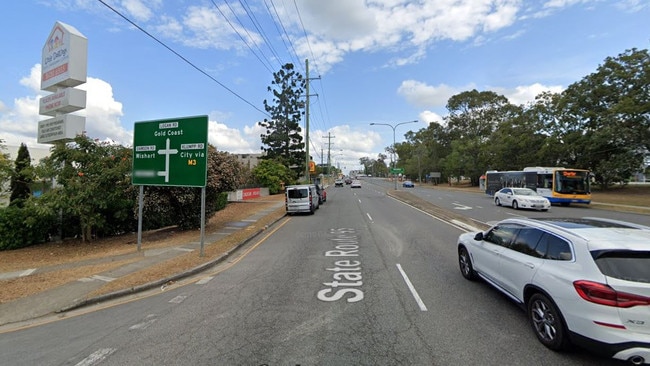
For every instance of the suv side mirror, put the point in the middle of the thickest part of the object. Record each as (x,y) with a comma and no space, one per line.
(478,236)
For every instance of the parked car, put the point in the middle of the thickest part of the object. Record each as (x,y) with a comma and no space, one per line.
(339,183)
(521,198)
(301,198)
(582,281)
(322,194)
(408,184)
(355,184)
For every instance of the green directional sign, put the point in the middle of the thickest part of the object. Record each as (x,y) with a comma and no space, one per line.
(397,170)
(171,152)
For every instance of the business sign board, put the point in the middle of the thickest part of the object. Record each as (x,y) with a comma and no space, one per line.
(171,152)
(66,100)
(60,128)
(64,59)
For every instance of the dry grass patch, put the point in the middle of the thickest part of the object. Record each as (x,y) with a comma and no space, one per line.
(59,255)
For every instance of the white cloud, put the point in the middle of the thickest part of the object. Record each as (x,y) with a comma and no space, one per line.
(429,117)
(526,93)
(139,10)
(422,95)
(229,139)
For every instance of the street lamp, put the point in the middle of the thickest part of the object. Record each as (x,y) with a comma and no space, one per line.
(393,150)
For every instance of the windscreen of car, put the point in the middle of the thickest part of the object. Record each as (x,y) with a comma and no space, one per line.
(624,264)
(525,192)
(298,193)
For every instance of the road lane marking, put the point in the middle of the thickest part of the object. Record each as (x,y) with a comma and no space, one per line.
(412,289)
(204,280)
(151,318)
(96,357)
(178,299)
(369,217)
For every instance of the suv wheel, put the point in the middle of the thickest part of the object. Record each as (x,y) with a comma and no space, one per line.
(465,263)
(547,322)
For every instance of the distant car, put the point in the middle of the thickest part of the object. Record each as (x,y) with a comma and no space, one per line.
(348,180)
(355,184)
(339,183)
(521,198)
(581,281)
(408,184)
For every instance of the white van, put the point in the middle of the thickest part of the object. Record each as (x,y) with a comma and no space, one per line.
(301,198)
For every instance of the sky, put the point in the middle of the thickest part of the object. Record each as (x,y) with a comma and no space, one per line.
(370,61)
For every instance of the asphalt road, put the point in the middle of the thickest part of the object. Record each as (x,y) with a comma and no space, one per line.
(366,280)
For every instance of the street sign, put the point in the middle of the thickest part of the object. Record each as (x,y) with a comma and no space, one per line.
(397,170)
(171,152)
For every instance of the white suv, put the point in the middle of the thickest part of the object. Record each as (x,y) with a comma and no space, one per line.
(582,281)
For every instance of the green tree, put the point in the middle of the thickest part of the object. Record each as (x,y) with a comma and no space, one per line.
(610,109)
(473,116)
(95,194)
(273,174)
(516,142)
(5,167)
(282,140)
(22,177)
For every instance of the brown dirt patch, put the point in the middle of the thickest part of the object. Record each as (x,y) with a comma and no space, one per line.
(58,256)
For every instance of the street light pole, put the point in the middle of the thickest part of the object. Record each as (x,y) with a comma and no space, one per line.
(392,160)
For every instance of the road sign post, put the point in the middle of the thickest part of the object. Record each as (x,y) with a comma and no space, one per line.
(171,152)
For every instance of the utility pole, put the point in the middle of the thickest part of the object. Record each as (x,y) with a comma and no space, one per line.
(307,122)
(307,119)
(329,138)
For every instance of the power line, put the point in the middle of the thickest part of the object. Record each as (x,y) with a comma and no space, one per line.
(258,26)
(183,58)
(240,36)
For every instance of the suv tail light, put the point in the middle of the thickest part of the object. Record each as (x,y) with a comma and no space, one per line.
(604,295)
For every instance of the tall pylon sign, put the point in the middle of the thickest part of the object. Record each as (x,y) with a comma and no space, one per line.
(64,65)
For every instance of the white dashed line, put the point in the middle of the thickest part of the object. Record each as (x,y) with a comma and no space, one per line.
(96,357)
(178,299)
(412,289)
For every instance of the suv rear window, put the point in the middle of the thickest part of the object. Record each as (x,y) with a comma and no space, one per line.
(298,193)
(624,264)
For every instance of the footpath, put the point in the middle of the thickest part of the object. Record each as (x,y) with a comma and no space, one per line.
(75,294)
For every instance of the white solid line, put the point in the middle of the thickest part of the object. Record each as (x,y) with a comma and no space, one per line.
(369,216)
(96,357)
(410,286)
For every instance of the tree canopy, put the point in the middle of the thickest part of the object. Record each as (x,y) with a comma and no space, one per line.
(600,123)
(282,140)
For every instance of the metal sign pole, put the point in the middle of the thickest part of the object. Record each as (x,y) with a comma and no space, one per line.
(202,219)
(140,204)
